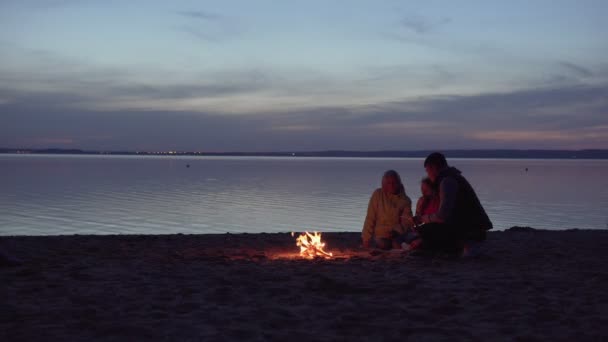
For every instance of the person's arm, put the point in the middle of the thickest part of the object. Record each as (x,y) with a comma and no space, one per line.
(370,220)
(407,219)
(420,205)
(447,201)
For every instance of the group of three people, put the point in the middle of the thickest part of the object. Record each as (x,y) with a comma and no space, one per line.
(449,216)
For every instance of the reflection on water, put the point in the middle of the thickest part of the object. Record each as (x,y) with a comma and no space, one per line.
(45,194)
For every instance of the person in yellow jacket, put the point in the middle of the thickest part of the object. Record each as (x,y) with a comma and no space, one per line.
(389,214)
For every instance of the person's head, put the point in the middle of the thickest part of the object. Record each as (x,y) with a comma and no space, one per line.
(391,183)
(427,187)
(435,163)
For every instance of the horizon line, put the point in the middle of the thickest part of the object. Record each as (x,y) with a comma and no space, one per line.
(451,153)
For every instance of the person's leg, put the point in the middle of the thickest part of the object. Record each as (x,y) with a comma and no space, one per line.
(430,234)
(410,236)
(441,237)
(397,239)
(473,242)
(474,234)
(384,243)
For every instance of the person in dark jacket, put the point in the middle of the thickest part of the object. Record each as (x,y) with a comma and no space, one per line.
(461,222)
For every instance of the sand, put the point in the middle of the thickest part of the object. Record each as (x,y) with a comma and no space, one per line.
(528,285)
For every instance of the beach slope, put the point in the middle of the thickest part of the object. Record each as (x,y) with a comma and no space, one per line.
(529,284)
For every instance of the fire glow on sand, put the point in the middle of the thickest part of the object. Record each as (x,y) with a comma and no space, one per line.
(311,246)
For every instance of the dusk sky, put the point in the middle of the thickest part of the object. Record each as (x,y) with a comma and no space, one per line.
(303,75)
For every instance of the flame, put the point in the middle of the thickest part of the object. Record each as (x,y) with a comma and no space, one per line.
(311,245)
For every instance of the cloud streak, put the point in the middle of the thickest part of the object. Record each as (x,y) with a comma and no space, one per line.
(209,27)
(200,15)
(266,109)
(520,119)
(420,25)
(577,69)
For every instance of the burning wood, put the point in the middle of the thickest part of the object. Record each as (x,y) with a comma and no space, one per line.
(311,245)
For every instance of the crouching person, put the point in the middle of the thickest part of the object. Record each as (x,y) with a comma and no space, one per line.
(460,224)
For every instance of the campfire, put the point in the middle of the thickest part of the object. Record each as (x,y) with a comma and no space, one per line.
(311,246)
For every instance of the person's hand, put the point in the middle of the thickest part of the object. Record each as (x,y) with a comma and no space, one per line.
(406,221)
(424,219)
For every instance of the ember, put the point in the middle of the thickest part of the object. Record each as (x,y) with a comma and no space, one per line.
(311,245)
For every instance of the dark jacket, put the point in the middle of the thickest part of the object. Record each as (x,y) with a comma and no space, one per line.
(466,211)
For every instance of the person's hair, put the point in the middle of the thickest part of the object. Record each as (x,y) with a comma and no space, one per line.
(395,174)
(429,182)
(436,159)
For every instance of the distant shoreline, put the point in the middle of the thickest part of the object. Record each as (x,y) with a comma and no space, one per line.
(482,154)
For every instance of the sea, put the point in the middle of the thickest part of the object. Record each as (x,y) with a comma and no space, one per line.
(131,194)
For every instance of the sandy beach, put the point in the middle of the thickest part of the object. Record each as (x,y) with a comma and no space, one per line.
(528,285)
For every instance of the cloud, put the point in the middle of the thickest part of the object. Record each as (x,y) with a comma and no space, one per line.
(245,90)
(582,138)
(202,15)
(424,76)
(88,87)
(552,118)
(520,119)
(277,110)
(576,69)
(209,27)
(421,25)
(544,108)
(53,141)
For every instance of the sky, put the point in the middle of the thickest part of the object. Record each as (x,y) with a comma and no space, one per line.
(256,75)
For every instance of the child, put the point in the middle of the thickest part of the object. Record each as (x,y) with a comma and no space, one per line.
(427,204)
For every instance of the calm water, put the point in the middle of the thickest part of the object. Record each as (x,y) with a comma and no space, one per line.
(46,194)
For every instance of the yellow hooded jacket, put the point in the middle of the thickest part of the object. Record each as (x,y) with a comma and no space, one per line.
(383,215)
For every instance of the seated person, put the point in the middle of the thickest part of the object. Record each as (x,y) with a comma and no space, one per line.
(427,204)
(389,214)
